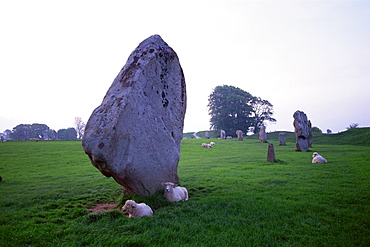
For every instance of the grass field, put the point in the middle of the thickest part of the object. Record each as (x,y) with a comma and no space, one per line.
(236,198)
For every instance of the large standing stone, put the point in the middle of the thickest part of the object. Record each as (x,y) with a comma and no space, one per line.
(301,129)
(134,135)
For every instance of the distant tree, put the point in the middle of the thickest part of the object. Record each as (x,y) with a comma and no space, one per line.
(80,127)
(28,131)
(7,133)
(316,130)
(61,134)
(262,111)
(233,109)
(328,131)
(39,130)
(67,134)
(21,132)
(230,109)
(353,126)
(51,135)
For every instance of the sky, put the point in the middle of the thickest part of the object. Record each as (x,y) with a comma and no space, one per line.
(59,58)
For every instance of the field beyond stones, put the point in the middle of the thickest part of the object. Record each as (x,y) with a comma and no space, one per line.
(236,198)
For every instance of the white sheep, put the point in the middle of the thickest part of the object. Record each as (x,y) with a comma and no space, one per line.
(205,145)
(317,158)
(212,143)
(137,210)
(175,193)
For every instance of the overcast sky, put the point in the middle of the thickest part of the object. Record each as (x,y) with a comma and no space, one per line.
(58,58)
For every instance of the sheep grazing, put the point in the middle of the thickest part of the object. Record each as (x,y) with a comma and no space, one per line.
(175,193)
(212,143)
(137,210)
(205,145)
(317,158)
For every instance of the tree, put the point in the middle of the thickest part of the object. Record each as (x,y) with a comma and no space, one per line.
(67,134)
(80,127)
(230,109)
(49,135)
(233,109)
(39,130)
(262,111)
(28,131)
(21,132)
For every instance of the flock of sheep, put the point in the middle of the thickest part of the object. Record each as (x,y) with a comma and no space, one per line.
(205,145)
(175,193)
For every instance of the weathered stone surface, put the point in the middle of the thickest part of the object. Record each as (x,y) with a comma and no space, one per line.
(262,134)
(134,135)
(239,133)
(282,138)
(271,153)
(301,129)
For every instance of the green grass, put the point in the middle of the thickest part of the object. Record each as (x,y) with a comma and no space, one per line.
(236,198)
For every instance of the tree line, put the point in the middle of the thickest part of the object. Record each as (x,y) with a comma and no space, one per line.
(230,108)
(43,132)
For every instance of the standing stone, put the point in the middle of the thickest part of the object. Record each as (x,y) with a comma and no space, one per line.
(271,153)
(309,139)
(148,93)
(222,134)
(207,135)
(301,129)
(282,138)
(239,133)
(262,134)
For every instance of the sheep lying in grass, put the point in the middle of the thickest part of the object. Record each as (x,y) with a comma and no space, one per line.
(137,210)
(205,145)
(212,143)
(175,193)
(317,158)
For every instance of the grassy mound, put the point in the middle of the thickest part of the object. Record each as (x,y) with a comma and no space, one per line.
(354,136)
